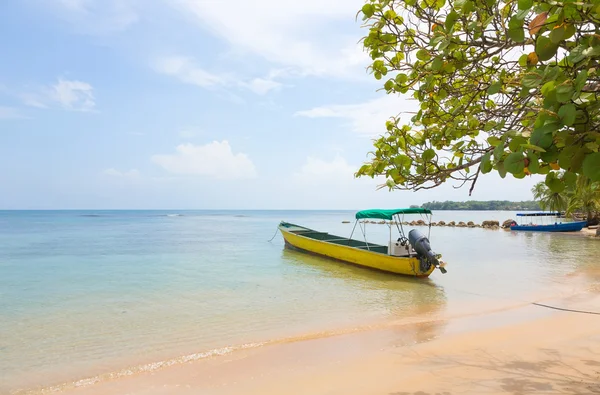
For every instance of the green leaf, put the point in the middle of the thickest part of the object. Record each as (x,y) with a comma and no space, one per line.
(525,4)
(494,88)
(437,63)
(368,10)
(548,87)
(557,35)
(494,141)
(517,34)
(422,54)
(515,144)
(534,164)
(501,169)
(486,164)
(498,153)
(555,184)
(570,31)
(551,154)
(545,48)
(580,80)
(428,155)
(403,161)
(531,80)
(577,160)
(523,60)
(567,114)
(468,7)
(569,178)
(577,54)
(565,156)
(533,147)
(401,78)
(514,163)
(489,126)
(450,19)
(540,138)
(564,92)
(591,166)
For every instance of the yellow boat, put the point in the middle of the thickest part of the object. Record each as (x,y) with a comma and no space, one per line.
(410,255)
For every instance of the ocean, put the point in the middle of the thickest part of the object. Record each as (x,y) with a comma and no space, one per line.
(90,295)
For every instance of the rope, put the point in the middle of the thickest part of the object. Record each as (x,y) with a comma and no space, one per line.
(526,301)
(276,229)
(570,310)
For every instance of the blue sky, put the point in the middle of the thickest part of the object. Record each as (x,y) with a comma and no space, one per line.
(194,104)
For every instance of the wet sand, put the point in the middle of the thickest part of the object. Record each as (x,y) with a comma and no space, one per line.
(588,232)
(521,350)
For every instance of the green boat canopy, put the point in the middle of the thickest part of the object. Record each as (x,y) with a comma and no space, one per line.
(389,214)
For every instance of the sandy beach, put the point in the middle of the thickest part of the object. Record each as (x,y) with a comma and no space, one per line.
(520,350)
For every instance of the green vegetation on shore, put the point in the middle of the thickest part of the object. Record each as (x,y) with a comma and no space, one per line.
(491,205)
(582,200)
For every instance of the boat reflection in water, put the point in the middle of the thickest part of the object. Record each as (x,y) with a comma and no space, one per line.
(410,310)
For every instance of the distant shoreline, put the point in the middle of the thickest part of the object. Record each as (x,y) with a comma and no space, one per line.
(482,205)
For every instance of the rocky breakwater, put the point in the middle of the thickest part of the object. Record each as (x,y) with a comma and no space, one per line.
(493,225)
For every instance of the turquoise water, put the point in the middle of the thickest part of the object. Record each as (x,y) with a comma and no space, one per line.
(86,293)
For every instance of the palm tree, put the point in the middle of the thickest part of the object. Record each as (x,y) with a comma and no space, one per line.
(549,200)
(586,198)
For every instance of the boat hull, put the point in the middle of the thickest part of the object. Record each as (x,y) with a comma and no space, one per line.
(408,266)
(562,227)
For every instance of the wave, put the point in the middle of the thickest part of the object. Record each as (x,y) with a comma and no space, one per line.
(148,367)
(153,366)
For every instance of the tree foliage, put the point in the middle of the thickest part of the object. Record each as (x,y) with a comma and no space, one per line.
(548,199)
(475,205)
(582,197)
(505,86)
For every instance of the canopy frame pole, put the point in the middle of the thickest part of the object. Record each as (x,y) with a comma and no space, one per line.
(390,243)
(364,231)
(351,234)
(429,232)
(400,228)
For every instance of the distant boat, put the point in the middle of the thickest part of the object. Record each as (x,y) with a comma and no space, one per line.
(574,226)
(410,255)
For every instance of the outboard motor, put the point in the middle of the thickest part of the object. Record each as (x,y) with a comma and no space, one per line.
(421,245)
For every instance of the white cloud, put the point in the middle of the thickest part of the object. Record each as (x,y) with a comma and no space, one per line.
(69,94)
(316,171)
(10,113)
(214,160)
(73,95)
(186,71)
(330,183)
(133,173)
(33,100)
(97,17)
(312,36)
(262,86)
(367,118)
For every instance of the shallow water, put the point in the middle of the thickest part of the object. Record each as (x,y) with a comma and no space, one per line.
(84,293)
